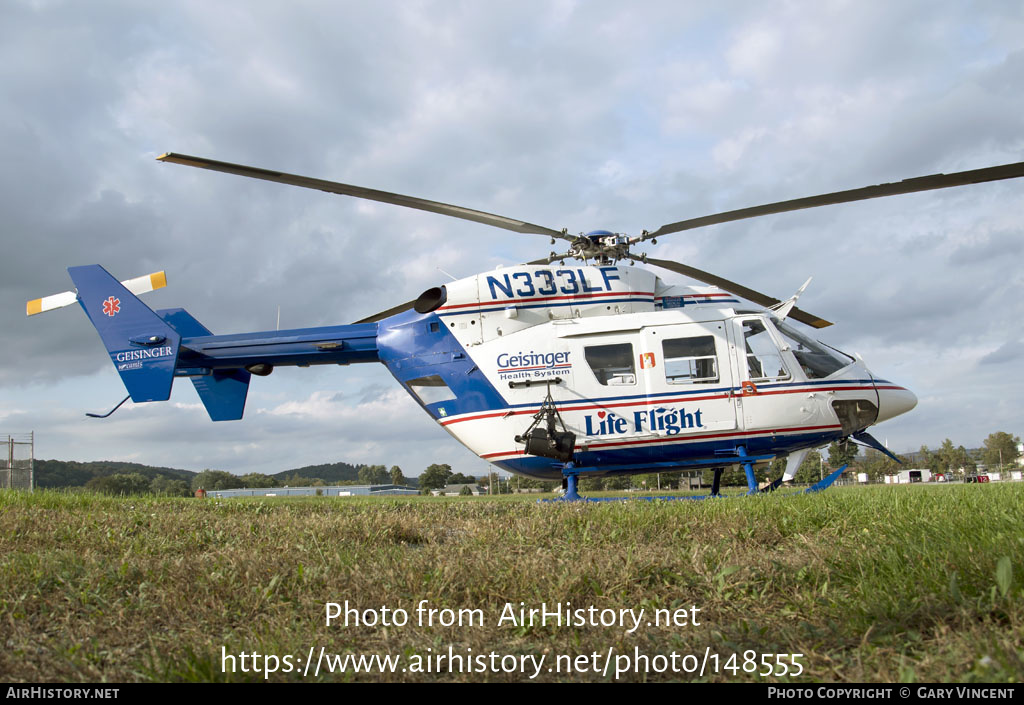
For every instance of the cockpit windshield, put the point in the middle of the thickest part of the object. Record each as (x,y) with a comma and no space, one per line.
(815,359)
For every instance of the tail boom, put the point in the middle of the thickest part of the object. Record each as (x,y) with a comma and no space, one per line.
(150,348)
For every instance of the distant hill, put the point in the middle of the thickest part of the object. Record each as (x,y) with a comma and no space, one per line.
(71,473)
(330,473)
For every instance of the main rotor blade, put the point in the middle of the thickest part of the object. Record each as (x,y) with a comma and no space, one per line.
(387,314)
(920,183)
(397,199)
(738,289)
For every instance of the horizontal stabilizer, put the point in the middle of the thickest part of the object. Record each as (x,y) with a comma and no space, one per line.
(137,286)
(222,392)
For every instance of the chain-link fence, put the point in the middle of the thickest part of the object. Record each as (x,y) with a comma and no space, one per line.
(17,466)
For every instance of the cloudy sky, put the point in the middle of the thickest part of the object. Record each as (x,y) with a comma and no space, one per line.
(584,115)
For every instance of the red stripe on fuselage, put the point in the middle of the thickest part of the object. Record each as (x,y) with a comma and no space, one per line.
(642,402)
(651,401)
(568,297)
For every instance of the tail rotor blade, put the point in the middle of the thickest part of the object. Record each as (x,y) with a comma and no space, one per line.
(138,285)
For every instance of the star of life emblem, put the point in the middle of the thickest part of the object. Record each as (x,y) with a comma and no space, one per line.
(111,306)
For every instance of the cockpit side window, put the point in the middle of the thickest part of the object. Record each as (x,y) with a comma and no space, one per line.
(690,360)
(763,359)
(612,364)
(815,359)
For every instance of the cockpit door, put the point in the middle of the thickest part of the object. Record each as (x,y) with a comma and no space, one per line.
(770,395)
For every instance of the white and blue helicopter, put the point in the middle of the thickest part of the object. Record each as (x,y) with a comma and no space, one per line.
(546,369)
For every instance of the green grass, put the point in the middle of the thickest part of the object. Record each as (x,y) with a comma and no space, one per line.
(870,584)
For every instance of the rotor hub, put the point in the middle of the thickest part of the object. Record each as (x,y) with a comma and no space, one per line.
(604,246)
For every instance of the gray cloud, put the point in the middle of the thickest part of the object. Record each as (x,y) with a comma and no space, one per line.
(585,115)
(1009,351)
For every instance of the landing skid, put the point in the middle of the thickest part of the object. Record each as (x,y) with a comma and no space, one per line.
(571,473)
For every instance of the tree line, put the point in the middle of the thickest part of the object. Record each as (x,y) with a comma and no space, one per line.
(211,480)
(999,450)
(436,476)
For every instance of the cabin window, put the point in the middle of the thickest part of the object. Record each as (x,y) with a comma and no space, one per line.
(815,359)
(690,360)
(763,359)
(612,364)
(430,390)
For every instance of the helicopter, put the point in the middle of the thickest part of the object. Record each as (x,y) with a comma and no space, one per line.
(546,369)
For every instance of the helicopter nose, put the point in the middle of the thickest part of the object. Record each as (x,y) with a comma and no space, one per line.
(893,401)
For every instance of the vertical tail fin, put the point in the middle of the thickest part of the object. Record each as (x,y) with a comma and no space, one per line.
(143,348)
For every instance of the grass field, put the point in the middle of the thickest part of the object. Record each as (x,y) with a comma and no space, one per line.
(877,584)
